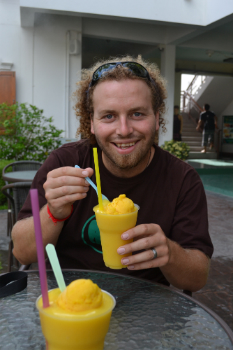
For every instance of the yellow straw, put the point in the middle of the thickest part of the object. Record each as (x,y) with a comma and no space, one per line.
(97,175)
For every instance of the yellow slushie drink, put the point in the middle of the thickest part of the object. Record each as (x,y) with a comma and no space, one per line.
(116,217)
(78,318)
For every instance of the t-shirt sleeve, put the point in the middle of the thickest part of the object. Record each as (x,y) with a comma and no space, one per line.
(190,223)
(50,163)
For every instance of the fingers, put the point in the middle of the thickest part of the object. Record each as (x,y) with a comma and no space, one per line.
(64,195)
(145,237)
(70,171)
(68,176)
(145,260)
(64,186)
(144,230)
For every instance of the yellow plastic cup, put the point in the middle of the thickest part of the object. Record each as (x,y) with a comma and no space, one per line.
(68,331)
(111,228)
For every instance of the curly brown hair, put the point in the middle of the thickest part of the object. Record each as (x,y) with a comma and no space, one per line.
(84,95)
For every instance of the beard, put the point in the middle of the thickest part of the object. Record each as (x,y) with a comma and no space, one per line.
(127,161)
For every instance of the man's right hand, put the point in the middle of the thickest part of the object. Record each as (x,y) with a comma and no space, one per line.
(63,187)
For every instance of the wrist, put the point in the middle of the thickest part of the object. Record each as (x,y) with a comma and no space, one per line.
(54,219)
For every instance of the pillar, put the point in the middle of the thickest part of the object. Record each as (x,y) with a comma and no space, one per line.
(177,89)
(73,74)
(168,57)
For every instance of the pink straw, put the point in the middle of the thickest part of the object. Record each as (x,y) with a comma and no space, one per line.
(39,247)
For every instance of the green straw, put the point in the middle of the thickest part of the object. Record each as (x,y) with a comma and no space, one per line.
(56,266)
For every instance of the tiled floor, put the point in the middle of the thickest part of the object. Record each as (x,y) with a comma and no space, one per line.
(218,292)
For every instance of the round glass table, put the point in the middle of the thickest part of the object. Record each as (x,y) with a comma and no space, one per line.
(147,316)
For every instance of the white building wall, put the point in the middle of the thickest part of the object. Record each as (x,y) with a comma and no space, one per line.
(55,71)
(45,73)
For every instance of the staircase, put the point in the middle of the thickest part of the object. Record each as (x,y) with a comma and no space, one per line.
(193,139)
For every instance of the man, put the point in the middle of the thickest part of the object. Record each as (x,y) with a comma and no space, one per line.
(207,121)
(120,107)
(177,124)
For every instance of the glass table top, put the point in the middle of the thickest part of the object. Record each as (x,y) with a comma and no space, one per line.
(147,316)
(21,175)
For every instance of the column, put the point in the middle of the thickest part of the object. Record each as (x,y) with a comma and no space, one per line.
(177,89)
(74,66)
(168,57)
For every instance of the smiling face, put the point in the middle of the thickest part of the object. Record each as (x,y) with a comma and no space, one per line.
(124,125)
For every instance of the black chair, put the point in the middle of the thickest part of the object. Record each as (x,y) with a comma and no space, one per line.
(18,166)
(23,165)
(16,193)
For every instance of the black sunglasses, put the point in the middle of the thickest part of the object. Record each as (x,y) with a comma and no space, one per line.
(136,68)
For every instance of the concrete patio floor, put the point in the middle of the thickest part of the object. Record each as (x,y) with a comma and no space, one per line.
(218,292)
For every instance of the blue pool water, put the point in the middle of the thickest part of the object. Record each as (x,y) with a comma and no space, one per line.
(216,175)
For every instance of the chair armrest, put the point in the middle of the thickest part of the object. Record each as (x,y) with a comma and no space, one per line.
(24,267)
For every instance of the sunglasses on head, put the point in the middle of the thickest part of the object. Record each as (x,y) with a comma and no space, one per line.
(136,68)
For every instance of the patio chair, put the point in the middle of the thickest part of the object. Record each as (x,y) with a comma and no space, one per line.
(18,166)
(23,165)
(16,193)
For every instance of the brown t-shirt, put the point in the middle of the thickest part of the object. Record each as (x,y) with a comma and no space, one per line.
(169,193)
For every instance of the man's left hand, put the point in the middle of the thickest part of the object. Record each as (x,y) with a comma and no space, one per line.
(146,237)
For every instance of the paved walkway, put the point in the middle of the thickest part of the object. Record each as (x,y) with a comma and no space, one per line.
(218,292)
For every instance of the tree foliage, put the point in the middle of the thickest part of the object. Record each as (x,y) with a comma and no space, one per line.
(26,133)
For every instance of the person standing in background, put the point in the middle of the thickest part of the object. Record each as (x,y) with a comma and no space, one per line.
(207,121)
(177,124)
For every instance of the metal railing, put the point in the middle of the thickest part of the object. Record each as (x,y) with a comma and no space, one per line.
(188,101)
(196,84)
(188,104)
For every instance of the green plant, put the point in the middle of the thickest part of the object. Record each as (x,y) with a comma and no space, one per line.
(177,148)
(28,135)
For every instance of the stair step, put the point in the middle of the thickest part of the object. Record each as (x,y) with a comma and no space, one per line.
(198,149)
(189,127)
(195,148)
(194,143)
(191,138)
(199,155)
(190,133)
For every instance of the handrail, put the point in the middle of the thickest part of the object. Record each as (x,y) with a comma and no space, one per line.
(191,87)
(185,93)
(192,83)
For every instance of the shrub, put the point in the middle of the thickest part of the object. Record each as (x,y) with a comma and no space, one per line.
(28,135)
(177,148)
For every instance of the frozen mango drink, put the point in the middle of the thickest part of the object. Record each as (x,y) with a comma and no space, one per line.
(78,318)
(116,217)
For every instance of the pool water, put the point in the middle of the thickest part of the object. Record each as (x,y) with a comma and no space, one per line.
(216,175)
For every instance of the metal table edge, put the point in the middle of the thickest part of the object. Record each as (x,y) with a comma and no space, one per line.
(10,179)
